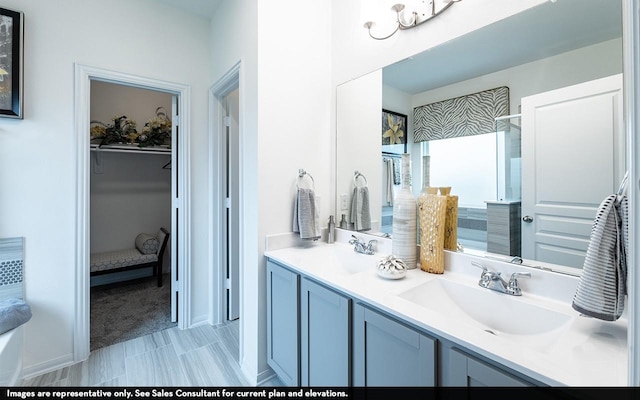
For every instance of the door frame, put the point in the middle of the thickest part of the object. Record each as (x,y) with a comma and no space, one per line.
(631,85)
(217,227)
(181,254)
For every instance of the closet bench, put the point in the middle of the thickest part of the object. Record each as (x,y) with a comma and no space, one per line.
(147,252)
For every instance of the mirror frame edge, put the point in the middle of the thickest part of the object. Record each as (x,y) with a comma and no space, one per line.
(631,87)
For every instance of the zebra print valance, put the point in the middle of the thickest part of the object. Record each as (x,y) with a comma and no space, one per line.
(473,114)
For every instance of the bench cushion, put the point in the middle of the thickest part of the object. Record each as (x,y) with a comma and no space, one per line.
(120,259)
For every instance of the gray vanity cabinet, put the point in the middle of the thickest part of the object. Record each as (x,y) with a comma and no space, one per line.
(282,323)
(465,370)
(319,336)
(325,335)
(388,353)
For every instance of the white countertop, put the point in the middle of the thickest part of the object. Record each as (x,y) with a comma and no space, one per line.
(582,352)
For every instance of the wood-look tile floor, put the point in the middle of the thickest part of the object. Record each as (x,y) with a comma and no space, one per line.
(202,356)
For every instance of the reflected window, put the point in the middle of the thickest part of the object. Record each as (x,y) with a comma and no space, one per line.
(480,169)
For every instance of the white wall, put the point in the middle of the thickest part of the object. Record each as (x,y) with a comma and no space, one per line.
(581,65)
(294,117)
(37,166)
(285,124)
(234,42)
(361,119)
(132,195)
(109,100)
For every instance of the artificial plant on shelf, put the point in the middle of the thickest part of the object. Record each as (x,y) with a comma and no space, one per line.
(156,131)
(122,130)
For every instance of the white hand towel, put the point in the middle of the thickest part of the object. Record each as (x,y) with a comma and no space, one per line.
(306,215)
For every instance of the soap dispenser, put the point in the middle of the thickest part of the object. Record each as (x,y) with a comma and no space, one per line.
(343,222)
(331,234)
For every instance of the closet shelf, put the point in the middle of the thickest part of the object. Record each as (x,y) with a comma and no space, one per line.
(123,148)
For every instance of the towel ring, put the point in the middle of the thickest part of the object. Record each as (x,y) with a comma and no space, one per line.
(623,185)
(301,174)
(357,175)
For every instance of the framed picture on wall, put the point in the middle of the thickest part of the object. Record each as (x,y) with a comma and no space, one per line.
(394,132)
(11,51)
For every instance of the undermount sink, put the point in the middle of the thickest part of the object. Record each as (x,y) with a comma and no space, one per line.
(493,312)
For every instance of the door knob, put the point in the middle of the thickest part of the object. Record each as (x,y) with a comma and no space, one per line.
(527,219)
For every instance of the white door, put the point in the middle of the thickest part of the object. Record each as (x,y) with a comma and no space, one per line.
(175,198)
(233,196)
(572,158)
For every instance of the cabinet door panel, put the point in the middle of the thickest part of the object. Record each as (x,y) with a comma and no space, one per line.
(467,371)
(282,323)
(325,336)
(387,353)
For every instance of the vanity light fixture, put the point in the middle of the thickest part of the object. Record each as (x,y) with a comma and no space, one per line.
(424,11)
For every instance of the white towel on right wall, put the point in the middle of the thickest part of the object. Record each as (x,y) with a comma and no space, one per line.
(602,287)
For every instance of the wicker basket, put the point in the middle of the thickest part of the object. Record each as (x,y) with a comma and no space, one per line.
(451,222)
(432,210)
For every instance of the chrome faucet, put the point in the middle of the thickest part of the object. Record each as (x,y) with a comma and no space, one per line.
(362,247)
(493,281)
(514,287)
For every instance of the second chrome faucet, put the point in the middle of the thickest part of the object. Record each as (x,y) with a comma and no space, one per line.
(362,247)
(493,281)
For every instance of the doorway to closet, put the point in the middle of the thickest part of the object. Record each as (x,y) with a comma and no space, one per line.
(130,203)
(180,282)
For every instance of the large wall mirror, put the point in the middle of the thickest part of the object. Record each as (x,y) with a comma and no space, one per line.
(529,186)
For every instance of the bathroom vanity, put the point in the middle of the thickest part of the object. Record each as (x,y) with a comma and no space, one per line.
(332,321)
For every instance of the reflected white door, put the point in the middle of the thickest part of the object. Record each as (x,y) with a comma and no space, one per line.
(572,158)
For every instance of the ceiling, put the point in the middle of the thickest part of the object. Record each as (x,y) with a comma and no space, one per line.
(204,8)
(543,31)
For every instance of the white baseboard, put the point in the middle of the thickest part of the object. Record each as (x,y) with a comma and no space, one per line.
(47,366)
(251,378)
(265,375)
(199,321)
(260,378)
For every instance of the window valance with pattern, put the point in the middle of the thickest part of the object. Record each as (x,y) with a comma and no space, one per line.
(473,114)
